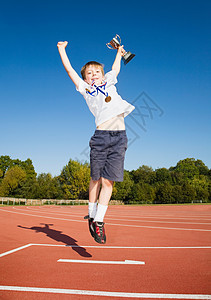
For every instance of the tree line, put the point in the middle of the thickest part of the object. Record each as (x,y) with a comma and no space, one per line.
(189,180)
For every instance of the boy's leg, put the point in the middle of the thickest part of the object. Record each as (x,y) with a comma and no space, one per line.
(104,197)
(106,191)
(94,188)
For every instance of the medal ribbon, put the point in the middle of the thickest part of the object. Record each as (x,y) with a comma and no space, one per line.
(98,89)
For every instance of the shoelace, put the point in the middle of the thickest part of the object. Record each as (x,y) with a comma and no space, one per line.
(99,229)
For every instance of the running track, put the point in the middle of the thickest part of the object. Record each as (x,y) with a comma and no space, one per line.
(170,245)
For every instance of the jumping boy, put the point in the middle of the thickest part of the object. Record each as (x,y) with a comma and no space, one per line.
(109,142)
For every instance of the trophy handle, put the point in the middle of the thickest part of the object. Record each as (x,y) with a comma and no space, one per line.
(118,37)
(108,45)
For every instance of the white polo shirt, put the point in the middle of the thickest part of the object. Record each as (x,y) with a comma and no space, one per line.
(95,98)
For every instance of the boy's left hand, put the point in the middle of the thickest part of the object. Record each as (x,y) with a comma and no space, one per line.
(121,50)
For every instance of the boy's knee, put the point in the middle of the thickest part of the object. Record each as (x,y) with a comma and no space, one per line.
(107,182)
(95,181)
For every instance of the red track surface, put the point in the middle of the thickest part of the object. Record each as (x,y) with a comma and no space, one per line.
(182,269)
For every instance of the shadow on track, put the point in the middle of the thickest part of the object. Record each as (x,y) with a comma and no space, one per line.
(59,237)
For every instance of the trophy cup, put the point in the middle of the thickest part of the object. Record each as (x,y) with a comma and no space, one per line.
(115,43)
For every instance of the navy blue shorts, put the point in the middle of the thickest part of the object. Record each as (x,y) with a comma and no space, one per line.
(107,154)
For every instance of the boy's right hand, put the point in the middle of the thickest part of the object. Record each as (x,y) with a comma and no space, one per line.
(61,45)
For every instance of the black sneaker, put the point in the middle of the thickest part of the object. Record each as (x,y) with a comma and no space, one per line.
(90,223)
(99,232)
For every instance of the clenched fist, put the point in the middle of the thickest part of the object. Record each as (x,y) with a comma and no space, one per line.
(62,45)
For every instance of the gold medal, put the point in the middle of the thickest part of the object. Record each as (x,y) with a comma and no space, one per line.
(108,99)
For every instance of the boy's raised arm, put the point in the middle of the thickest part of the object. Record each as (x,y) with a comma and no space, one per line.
(117,62)
(70,71)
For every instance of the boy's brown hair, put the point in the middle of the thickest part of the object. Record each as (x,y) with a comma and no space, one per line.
(91,63)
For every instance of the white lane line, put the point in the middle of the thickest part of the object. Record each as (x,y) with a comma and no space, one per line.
(69,213)
(112,224)
(103,293)
(123,247)
(147,221)
(160,217)
(106,262)
(43,217)
(158,227)
(15,250)
(141,214)
(50,213)
(100,247)
(111,218)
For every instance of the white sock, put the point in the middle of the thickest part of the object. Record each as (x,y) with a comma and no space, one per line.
(101,211)
(92,209)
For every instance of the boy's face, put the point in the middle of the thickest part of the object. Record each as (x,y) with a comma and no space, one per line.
(94,73)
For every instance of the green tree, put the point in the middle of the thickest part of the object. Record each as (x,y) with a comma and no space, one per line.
(1,175)
(209,190)
(164,193)
(187,167)
(177,194)
(28,189)
(143,174)
(177,178)
(5,163)
(142,193)
(74,180)
(13,179)
(47,187)
(163,175)
(123,189)
(201,187)
(25,165)
(188,192)
(203,169)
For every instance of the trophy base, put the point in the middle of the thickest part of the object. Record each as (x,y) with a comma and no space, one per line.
(127,57)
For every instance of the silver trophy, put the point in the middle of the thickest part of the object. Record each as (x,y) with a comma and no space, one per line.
(115,43)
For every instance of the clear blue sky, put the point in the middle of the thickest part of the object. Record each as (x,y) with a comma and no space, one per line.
(45,119)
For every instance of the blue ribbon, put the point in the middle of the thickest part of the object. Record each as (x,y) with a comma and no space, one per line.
(98,88)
